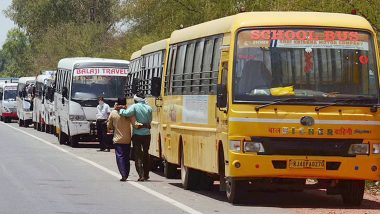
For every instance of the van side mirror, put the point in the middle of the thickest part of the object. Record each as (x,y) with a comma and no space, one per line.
(221,92)
(135,85)
(156,87)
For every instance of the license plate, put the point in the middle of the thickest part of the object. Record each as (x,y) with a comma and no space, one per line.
(307,164)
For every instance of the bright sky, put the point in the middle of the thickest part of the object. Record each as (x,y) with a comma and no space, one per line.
(5,23)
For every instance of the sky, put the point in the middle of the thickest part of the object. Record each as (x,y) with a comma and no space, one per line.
(5,23)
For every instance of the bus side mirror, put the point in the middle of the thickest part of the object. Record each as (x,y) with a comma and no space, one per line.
(221,92)
(64,92)
(135,85)
(156,86)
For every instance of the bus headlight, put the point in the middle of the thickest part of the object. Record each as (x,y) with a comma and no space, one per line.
(253,147)
(359,149)
(375,148)
(235,145)
(77,117)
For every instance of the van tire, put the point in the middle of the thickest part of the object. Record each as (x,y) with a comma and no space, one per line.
(73,141)
(352,192)
(62,138)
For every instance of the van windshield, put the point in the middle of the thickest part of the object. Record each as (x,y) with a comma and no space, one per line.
(323,64)
(91,87)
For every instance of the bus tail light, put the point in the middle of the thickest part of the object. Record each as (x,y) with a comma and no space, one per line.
(253,147)
(359,149)
(376,148)
(235,145)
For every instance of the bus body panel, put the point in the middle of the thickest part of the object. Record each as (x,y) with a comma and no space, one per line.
(24,102)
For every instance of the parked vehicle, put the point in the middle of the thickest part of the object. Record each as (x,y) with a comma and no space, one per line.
(24,99)
(8,109)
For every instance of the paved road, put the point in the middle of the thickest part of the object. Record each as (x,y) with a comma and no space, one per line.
(37,175)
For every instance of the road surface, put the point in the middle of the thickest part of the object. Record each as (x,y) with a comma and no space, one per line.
(37,175)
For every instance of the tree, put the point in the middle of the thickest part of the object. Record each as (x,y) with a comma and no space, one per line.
(16,54)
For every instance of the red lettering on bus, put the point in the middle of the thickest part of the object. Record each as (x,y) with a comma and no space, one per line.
(290,35)
(255,34)
(277,34)
(342,35)
(329,36)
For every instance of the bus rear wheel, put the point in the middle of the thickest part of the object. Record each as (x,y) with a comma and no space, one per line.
(170,170)
(352,192)
(189,177)
(234,190)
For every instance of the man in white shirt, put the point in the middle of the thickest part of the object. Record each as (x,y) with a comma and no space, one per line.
(103,111)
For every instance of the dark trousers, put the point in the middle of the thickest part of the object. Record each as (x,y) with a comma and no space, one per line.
(122,152)
(101,127)
(141,145)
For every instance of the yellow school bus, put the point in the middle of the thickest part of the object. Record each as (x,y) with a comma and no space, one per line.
(266,100)
(147,64)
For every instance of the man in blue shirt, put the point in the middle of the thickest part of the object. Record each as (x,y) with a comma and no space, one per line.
(141,133)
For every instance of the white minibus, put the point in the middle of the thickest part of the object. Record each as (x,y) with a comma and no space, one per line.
(39,100)
(8,93)
(25,93)
(79,83)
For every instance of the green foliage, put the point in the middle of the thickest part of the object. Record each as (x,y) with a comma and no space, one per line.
(66,28)
(16,54)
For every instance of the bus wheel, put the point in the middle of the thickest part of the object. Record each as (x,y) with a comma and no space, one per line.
(170,170)
(47,128)
(62,138)
(20,123)
(42,127)
(206,182)
(73,141)
(352,192)
(39,128)
(234,190)
(189,177)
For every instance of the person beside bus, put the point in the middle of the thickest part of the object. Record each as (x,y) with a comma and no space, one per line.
(141,133)
(103,111)
(121,138)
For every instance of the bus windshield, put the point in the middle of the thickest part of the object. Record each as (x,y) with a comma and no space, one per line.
(10,94)
(323,64)
(91,87)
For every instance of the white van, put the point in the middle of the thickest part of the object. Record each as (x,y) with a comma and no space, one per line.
(49,110)
(40,99)
(25,93)
(8,92)
(79,83)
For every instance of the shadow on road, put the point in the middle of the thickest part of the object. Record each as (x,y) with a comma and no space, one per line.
(305,199)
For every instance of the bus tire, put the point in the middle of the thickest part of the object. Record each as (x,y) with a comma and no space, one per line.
(47,128)
(352,192)
(206,182)
(73,141)
(234,190)
(20,123)
(189,177)
(42,127)
(62,138)
(170,170)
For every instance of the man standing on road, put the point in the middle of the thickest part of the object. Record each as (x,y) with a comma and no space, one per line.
(141,133)
(121,138)
(103,111)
